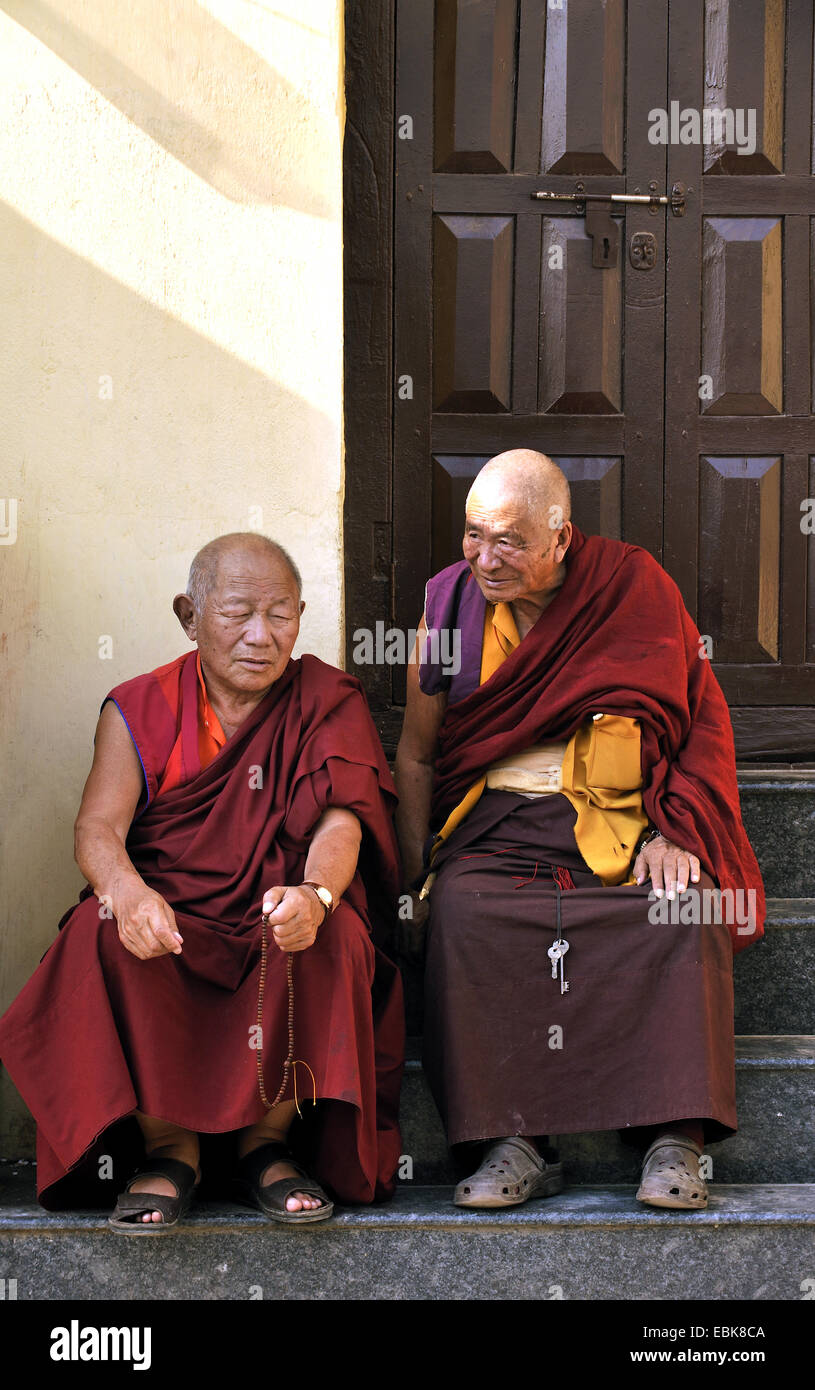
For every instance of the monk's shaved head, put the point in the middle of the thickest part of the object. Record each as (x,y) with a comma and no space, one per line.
(517,530)
(531,480)
(205,567)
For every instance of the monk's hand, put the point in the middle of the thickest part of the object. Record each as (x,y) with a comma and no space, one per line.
(295,916)
(671,868)
(409,932)
(147,925)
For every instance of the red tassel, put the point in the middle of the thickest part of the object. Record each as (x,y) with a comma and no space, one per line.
(563,877)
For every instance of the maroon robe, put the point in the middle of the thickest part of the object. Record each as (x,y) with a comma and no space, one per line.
(97,1033)
(616,638)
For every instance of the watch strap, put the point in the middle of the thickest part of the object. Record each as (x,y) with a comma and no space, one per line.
(319,889)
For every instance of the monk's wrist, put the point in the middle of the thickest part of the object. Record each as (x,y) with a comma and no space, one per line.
(120,887)
(312,890)
(648,839)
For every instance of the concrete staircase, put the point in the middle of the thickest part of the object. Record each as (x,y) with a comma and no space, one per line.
(756,1240)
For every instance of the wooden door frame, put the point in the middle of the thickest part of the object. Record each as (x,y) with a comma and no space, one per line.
(368,317)
(780,734)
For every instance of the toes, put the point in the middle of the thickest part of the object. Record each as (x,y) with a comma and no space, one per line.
(299,1202)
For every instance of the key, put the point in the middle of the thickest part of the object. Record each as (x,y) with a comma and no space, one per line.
(564,946)
(555,953)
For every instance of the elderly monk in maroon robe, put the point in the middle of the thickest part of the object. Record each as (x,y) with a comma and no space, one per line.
(568,801)
(233,785)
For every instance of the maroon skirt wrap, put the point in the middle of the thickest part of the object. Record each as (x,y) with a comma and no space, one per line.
(644,1034)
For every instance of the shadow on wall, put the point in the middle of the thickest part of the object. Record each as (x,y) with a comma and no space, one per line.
(210,100)
(107,489)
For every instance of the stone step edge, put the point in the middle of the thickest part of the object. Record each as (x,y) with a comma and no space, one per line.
(417,1207)
(790,912)
(755,777)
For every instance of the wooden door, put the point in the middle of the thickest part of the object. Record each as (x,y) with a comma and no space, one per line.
(740,388)
(675,386)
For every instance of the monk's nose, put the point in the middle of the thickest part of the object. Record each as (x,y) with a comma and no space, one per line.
(488,561)
(258,632)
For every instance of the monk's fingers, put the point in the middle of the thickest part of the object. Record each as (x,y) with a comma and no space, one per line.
(139,942)
(150,942)
(654,862)
(271,898)
(294,938)
(159,929)
(682,870)
(695,868)
(131,943)
(149,933)
(670,870)
(640,867)
(287,909)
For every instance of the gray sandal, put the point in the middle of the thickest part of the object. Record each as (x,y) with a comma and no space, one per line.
(511,1172)
(671,1176)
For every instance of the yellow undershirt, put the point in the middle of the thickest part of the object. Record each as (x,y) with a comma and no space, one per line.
(601,774)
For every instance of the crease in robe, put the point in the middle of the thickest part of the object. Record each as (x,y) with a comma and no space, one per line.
(599,772)
(97,1033)
(646,1028)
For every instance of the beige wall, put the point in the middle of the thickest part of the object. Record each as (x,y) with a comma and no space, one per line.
(170,217)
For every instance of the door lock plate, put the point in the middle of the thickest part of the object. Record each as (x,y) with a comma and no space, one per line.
(642,251)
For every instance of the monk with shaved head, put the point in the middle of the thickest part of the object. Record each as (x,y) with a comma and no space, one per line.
(221,966)
(570,829)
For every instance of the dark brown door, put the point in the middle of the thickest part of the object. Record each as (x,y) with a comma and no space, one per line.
(665,361)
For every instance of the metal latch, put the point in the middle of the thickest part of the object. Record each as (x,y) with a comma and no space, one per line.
(600,225)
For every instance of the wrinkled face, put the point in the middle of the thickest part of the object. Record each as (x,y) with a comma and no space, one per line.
(512,555)
(250,621)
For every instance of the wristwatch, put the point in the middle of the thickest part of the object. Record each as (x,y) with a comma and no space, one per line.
(326,897)
(646,840)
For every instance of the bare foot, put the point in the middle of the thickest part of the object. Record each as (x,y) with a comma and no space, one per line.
(274,1129)
(162,1187)
(298,1201)
(251,1140)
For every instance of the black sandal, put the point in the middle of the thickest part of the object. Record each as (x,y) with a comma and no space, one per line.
(271,1200)
(133,1204)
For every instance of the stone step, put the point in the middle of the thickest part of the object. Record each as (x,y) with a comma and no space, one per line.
(778,810)
(775,978)
(752,1242)
(776,1113)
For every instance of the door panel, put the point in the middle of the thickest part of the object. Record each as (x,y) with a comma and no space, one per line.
(504,333)
(739,425)
(675,386)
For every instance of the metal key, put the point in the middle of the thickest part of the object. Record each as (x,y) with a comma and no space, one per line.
(564,984)
(556,954)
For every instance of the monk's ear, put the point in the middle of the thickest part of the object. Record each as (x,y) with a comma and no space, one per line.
(563,545)
(302,606)
(185,612)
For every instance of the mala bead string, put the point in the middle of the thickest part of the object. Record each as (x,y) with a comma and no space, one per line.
(291,1061)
